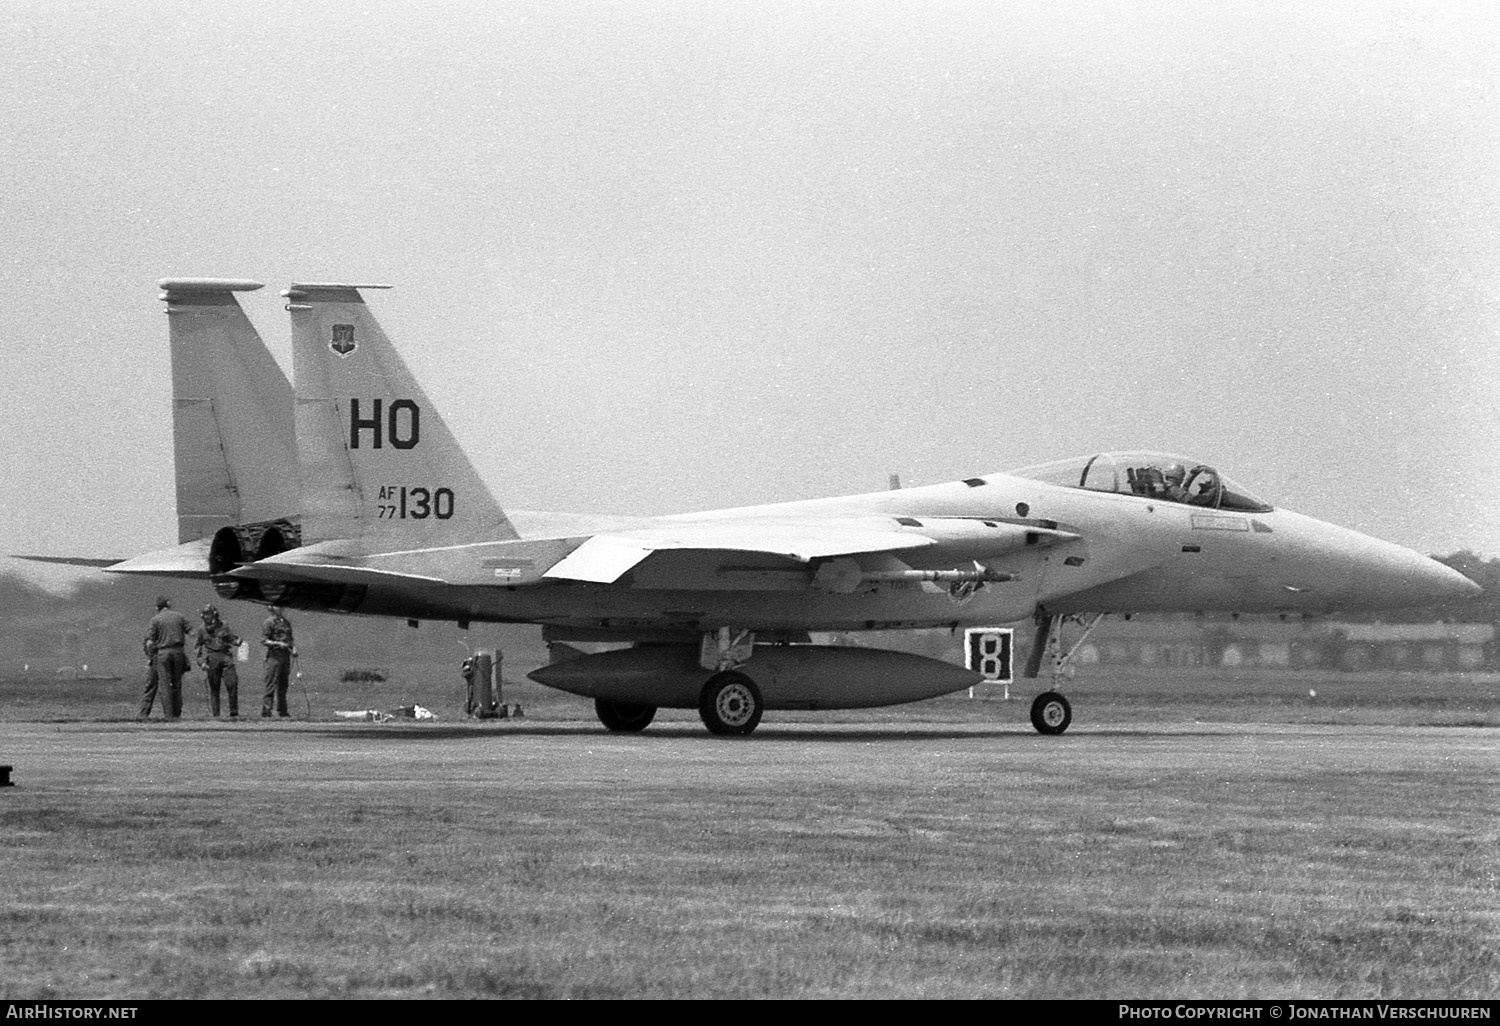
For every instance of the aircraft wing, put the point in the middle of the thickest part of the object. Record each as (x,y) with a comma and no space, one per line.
(606,557)
(601,558)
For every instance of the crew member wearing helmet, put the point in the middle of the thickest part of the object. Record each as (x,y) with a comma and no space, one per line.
(214,647)
(1174,476)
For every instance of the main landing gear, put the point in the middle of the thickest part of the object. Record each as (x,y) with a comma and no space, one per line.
(624,717)
(730,703)
(1050,711)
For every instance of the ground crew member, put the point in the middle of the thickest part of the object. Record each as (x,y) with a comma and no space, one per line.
(214,645)
(166,637)
(276,636)
(149,698)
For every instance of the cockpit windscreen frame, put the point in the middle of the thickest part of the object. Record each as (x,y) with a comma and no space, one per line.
(1162,477)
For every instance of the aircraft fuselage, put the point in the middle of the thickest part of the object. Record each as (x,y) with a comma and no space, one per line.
(1132,554)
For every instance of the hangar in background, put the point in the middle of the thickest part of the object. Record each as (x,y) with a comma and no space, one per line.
(1306,645)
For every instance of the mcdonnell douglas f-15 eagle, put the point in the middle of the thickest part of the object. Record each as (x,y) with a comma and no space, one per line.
(347,493)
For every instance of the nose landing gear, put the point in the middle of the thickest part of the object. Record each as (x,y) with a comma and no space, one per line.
(1050,711)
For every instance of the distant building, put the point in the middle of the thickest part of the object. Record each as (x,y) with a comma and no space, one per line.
(1416,646)
(1296,644)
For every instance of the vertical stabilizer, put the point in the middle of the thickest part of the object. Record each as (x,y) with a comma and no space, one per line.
(377,461)
(233,440)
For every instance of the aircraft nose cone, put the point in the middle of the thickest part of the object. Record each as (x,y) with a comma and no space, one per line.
(1420,580)
(1446,584)
(1354,571)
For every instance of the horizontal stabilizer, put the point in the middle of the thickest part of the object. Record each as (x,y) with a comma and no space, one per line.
(70,561)
(187,560)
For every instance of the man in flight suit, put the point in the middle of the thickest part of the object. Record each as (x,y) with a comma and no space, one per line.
(214,645)
(1174,477)
(152,680)
(276,636)
(166,637)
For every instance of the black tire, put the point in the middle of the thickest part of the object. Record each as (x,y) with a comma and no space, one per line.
(624,717)
(1051,713)
(730,703)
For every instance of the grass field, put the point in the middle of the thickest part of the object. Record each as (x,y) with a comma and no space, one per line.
(1189,837)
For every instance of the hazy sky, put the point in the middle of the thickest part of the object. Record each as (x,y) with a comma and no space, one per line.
(655,257)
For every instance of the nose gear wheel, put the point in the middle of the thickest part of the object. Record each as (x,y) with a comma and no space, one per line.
(1051,713)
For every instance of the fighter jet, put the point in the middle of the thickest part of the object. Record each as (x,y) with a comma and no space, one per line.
(372,508)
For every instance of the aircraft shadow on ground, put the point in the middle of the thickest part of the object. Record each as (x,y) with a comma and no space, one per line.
(477,732)
(764,735)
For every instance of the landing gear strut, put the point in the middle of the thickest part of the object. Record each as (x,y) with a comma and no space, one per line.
(1050,711)
(729,703)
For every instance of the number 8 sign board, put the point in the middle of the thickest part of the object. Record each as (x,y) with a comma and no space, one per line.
(987,651)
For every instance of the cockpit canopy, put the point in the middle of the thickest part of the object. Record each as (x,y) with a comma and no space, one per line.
(1151,475)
